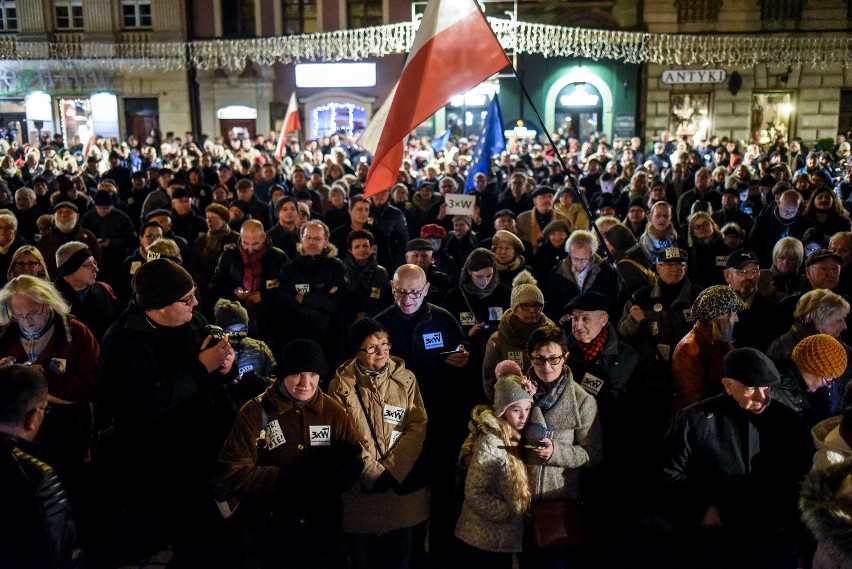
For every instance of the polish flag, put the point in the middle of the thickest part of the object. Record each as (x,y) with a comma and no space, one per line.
(89,145)
(453,51)
(291,123)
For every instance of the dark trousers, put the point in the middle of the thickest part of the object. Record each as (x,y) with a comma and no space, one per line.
(391,550)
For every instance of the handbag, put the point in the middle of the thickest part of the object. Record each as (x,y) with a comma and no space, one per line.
(558,523)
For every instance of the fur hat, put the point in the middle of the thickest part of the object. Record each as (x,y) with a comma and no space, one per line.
(228,314)
(71,256)
(524,290)
(161,282)
(716,301)
(300,356)
(507,391)
(820,355)
(751,367)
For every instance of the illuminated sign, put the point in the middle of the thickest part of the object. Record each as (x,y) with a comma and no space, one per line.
(335,75)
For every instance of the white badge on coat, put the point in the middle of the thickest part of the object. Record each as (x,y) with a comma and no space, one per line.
(467,318)
(320,435)
(653,328)
(592,384)
(272,283)
(664,350)
(303,288)
(394,437)
(721,260)
(134,266)
(517,357)
(274,436)
(375,293)
(57,365)
(495,312)
(687,315)
(392,415)
(433,340)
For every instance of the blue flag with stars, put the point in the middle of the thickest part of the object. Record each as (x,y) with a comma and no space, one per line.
(490,142)
(439,143)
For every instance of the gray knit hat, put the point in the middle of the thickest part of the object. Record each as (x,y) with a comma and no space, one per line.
(525,290)
(71,256)
(227,314)
(716,301)
(507,391)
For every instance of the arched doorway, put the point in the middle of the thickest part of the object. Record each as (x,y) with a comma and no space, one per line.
(579,111)
(580,75)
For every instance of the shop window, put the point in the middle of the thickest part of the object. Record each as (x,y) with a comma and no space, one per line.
(300,17)
(579,111)
(689,115)
(772,116)
(332,117)
(68,14)
(781,10)
(698,10)
(8,16)
(136,13)
(364,13)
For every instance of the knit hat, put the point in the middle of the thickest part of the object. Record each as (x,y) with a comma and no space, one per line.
(638,202)
(716,301)
(507,367)
(243,206)
(508,391)
(525,291)
(504,236)
(103,198)
(820,355)
(362,329)
(161,282)
(220,210)
(556,225)
(432,230)
(228,314)
(620,237)
(464,219)
(69,205)
(71,256)
(300,356)
(751,367)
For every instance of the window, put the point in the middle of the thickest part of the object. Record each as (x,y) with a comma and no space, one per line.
(771,116)
(698,10)
(364,13)
(238,19)
(69,14)
(8,16)
(781,10)
(300,16)
(136,13)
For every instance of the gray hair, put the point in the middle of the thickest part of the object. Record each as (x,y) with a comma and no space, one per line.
(581,237)
(819,307)
(37,290)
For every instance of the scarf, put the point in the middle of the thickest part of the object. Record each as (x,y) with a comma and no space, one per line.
(515,332)
(372,374)
(252,278)
(213,241)
(480,293)
(547,396)
(593,349)
(519,260)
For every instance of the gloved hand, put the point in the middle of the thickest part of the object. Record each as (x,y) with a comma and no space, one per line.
(383,483)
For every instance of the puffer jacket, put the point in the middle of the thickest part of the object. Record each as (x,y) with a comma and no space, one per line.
(487,520)
(827,517)
(397,415)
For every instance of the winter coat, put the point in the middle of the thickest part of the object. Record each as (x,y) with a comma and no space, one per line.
(394,225)
(487,519)
(486,306)
(697,366)
(97,308)
(50,242)
(368,289)
(827,517)
(562,287)
(398,417)
(832,448)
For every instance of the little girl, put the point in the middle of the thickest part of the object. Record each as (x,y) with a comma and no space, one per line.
(496,491)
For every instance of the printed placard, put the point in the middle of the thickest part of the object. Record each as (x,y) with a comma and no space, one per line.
(375,293)
(467,318)
(274,436)
(320,435)
(687,315)
(517,357)
(134,266)
(459,204)
(433,340)
(272,283)
(592,384)
(665,351)
(392,415)
(57,365)
(653,328)
(303,288)
(721,260)
(495,312)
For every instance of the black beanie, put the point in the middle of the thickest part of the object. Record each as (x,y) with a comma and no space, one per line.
(300,356)
(620,237)
(361,330)
(159,283)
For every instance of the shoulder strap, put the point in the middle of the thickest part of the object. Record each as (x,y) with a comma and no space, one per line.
(652,278)
(382,455)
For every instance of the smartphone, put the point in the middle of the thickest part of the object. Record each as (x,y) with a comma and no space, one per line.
(445,354)
(535,447)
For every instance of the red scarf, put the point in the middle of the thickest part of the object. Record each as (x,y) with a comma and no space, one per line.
(595,347)
(252,268)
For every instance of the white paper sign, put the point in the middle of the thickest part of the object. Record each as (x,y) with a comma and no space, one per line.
(459,204)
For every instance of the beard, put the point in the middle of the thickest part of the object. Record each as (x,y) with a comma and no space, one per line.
(747,289)
(721,329)
(65,226)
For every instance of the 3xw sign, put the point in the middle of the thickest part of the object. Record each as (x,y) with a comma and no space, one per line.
(320,435)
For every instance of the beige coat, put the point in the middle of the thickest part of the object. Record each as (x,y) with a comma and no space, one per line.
(386,397)
(528,230)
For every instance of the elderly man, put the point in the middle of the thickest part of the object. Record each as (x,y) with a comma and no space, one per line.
(841,243)
(312,286)
(65,229)
(722,455)
(420,252)
(92,302)
(250,273)
(762,321)
(697,359)
(784,221)
(432,343)
(531,223)
(36,525)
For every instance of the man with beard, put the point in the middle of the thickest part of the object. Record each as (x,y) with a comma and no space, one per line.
(697,359)
(783,221)
(367,281)
(65,229)
(760,324)
(250,274)
(732,471)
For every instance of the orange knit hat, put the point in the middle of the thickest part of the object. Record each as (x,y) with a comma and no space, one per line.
(820,355)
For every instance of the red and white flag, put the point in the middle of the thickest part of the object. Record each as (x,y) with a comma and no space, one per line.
(291,123)
(440,65)
(92,142)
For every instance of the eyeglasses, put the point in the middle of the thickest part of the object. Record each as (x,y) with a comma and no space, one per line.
(90,265)
(28,317)
(27,264)
(412,294)
(541,360)
(374,349)
(580,259)
(531,306)
(313,239)
(188,301)
(747,273)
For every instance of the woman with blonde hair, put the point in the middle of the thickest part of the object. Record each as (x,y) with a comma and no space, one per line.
(27,260)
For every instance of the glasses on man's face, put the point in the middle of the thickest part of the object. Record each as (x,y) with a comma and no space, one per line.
(551,360)
(580,259)
(531,306)
(27,264)
(374,349)
(91,265)
(747,272)
(187,301)
(28,317)
(412,294)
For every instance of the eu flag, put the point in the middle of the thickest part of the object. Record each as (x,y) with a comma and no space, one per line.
(490,142)
(439,143)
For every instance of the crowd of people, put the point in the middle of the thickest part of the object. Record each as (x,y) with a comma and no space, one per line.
(246,360)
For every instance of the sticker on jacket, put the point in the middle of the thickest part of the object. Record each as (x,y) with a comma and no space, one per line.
(303,288)
(517,357)
(433,340)
(272,283)
(274,436)
(495,313)
(592,384)
(392,415)
(320,435)
(467,318)
(394,437)
(57,365)
(375,293)
(134,266)
(653,328)
(665,351)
